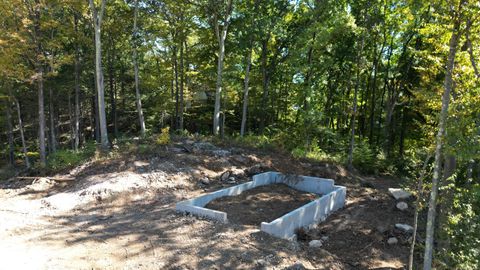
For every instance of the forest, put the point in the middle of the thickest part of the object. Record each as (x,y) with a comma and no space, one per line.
(383,88)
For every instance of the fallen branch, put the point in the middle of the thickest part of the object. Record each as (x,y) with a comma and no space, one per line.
(58,179)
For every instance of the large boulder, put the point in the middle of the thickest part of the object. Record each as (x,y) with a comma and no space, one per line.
(399,194)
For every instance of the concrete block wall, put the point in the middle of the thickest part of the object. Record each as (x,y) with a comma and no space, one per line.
(332,198)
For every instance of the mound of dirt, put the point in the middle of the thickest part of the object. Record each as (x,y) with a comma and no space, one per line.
(261,204)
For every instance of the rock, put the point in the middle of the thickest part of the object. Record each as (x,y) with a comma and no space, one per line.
(296,266)
(261,262)
(366,184)
(240,159)
(404,227)
(399,194)
(256,169)
(392,241)
(315,243)
(324,238)
(246,256)
(224,176)
(139,163)
(381,229)
(205,181)
(221,153)
(231,180)
(42,184)
(402,206)
(204,146)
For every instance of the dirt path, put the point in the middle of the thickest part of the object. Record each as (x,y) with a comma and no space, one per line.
(120,215)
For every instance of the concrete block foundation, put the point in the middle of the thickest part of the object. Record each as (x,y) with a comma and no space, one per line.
(332,199)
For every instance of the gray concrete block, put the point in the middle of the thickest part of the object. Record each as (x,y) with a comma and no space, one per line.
(332,198)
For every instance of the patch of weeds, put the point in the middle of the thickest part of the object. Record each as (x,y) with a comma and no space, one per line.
(66,158)
(164,137)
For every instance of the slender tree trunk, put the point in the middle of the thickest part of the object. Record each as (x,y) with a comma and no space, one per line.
(111,83)
(176,94)
(355,94)
(22,136)
(53,139)
(138,98)
(265,85)
(182,84)
(41,118)
(221,36)
(417,209)
(432,205)
(245,90)
(71,120)
(77,89)
(401,145)
(374,90)
(11,148)
(97,21)
(218,91)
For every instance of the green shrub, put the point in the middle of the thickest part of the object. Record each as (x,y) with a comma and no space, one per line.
(66,158)
(164,137)
(364,158)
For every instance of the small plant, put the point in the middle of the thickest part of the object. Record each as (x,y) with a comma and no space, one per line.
(164,137)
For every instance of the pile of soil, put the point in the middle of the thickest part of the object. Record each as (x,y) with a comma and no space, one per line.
(261,204)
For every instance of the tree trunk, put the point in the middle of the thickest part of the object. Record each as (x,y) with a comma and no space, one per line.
(245,90)
(221,36)
(417,209)
(182,84)
(218,89)
(176,94)
(53,139)
(76,143)
(355,94)
(41,118)
(432,205)
(138,98)
(11,148)
(97,21)
(22,136)
(265,84)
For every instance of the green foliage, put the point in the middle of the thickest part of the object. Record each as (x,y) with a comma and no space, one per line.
(364,157)
(164,137)
(65,158)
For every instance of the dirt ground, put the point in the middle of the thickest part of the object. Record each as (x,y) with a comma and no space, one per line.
(119,214)
(264,203)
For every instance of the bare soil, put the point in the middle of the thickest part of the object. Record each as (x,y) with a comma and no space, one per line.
(119,214)
(261,204)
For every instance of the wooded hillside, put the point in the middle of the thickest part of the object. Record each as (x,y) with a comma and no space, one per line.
(384,87)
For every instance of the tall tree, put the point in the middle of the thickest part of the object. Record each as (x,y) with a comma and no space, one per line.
(138,98)
(448,83)
(221,23)
(97,16)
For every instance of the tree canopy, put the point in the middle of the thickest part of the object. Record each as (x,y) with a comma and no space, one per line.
(357,82)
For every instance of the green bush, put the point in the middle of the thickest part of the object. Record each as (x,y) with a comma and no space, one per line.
(66,158)
(364,158)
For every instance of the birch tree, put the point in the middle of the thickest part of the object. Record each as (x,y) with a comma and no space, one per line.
(221,30)
(97,15)
(138,99)
(448,82)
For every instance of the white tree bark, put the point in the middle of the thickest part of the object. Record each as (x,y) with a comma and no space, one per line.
(76,126)
(138,98)
(97,22)
(432,205)
(221,36)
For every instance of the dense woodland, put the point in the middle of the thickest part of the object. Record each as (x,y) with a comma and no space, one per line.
(385,87)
